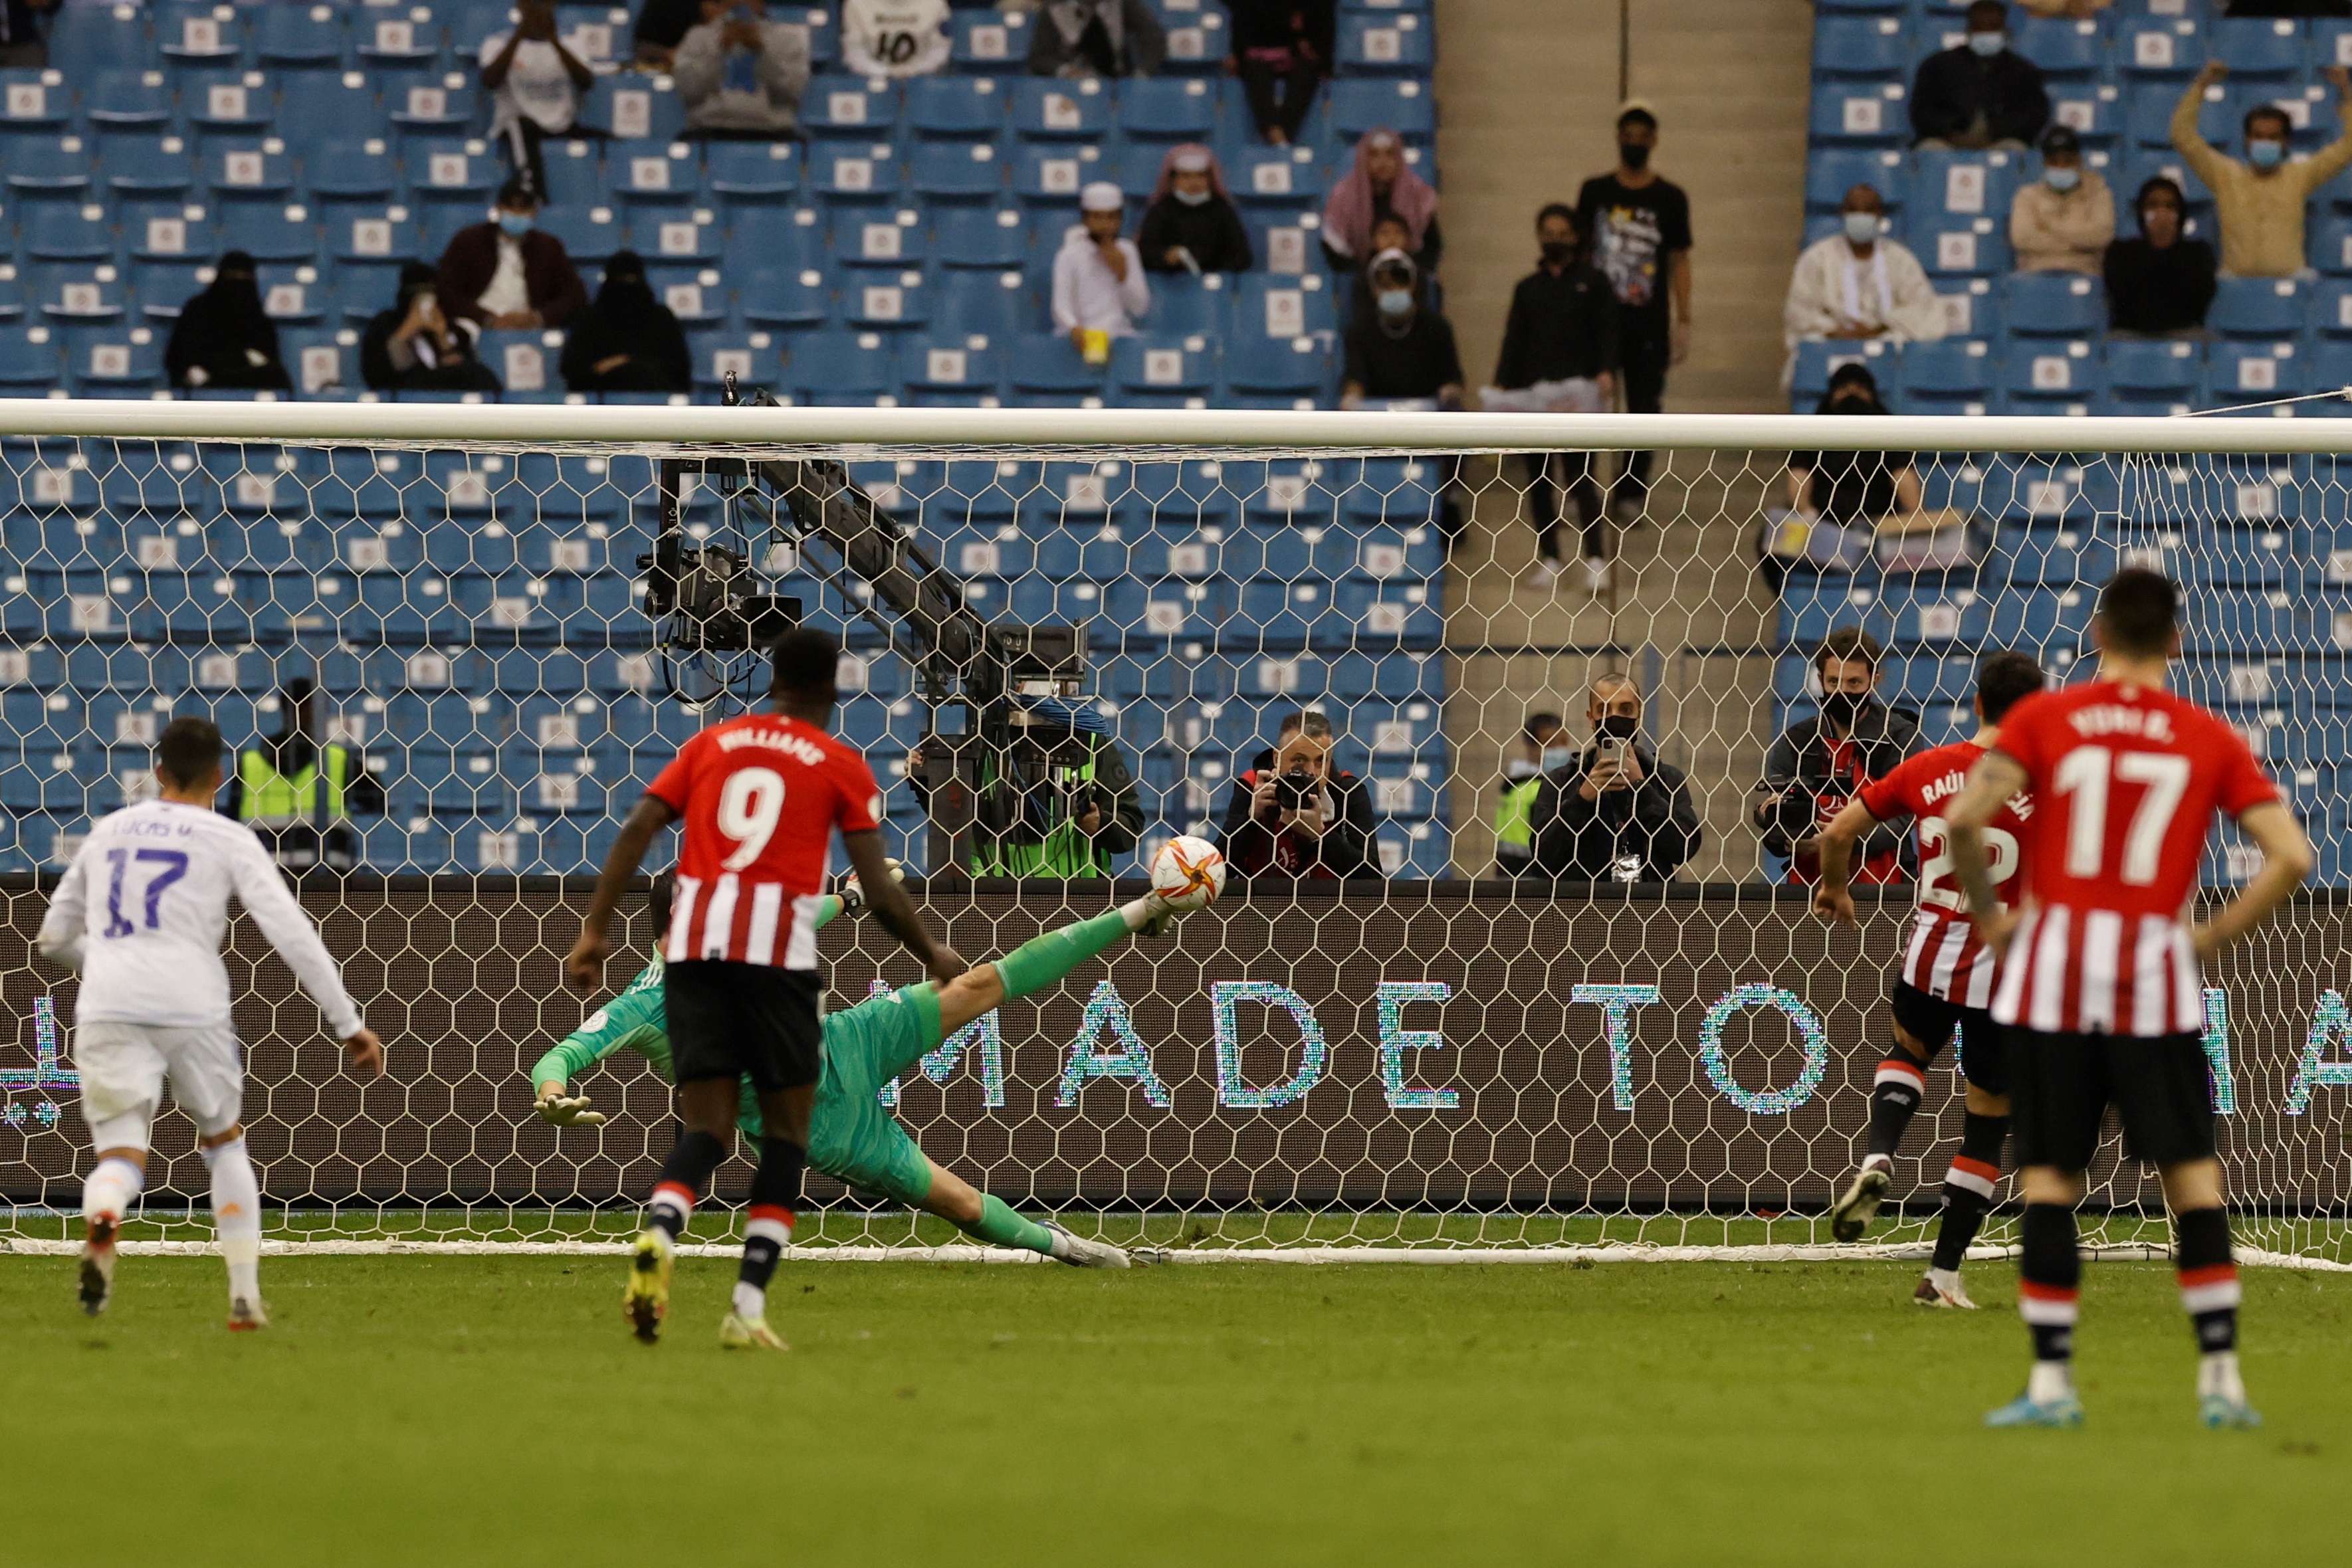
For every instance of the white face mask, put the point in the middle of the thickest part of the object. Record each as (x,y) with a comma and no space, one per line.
(1557,756)
(2062,179)
(1862,228)
(1988,44)
(1191,198)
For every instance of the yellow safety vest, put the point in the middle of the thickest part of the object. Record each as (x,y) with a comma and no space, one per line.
(1515,818)
(271,799)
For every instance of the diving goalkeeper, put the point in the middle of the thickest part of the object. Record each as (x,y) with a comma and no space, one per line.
(851,1136)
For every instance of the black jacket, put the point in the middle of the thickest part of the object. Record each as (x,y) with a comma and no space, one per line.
(2152,290)
(1956,85)
(1577,839)
(627,319)
(1212,232)
(1252,848)
(1560,326)
(1800,766)
(459,372)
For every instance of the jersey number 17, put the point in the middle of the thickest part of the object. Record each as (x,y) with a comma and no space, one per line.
(175,866)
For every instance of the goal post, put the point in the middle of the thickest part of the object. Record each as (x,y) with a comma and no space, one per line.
(444,609)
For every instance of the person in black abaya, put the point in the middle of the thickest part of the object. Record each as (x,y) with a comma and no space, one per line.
(412,347)
(223,338)
(626,339)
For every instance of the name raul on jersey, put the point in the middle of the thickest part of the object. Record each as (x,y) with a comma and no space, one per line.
(2111,718)
(2020,805)
(778,741)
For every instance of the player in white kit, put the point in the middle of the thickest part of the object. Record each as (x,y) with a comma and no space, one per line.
(140,913)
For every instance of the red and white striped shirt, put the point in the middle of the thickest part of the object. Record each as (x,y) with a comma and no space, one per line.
(1946,957)
(761,796)
(2128,780)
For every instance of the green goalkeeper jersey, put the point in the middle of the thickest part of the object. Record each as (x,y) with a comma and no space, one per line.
(633,1020)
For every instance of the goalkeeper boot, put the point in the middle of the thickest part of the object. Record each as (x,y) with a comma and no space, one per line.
(1080,1253)
(737,1332)
(98,1265)
(1858,1205)
(1942,1288)
(646,1301)
(2221,1395)
(248,1313)
(2064,1411)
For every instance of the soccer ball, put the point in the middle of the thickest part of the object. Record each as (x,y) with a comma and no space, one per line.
(1187,873)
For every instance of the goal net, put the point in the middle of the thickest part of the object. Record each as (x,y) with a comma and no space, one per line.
(450,645)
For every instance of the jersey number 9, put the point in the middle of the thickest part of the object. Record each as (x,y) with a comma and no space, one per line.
(748,808)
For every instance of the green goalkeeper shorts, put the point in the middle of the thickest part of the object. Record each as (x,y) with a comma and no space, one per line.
(851,1136)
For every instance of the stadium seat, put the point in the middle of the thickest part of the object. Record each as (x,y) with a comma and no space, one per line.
(1832,171)
(2259,47)
(1855,113)
(853,171)
(981,237)
(1061,110)
(1050,175)
(676,235)
(654,172)
(34,102)
(2253,373)
(590,235)
(2064,48)
(779,238)
(956,107)
(989,41)
(67,231)
(633,108)
(884,236)
(997,306)
(2259,308)
(343,170)
(1164,108)
(1373,103)
(247,172)
(138,165)
(785,298)
(1163,372)
(49,167)
(317,107)
(838,368)
(958,171)
(2160,368)
(2153,45)
(301,37)
(1864,47)
(2055,305)
(1394,46)
(753,172)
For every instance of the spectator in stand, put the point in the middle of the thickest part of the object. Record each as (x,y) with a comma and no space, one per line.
(2161,284)
(412,347)
(298,795)
(508,275)
(661,26)
(2064,221)
(1403,352)
(1852,488)
(1543,746)
(896,39)
(1296,813)
(223,339)
(1858,284)
(1818,763)
(740,74)
(1981,94)
(2260,202)
(535,83)
(1637,226)
(1098,284)
(1192,225)
(1282,51)
(1096,38)
(1562,331)
(21,45)
(1379,186)
(1614,812)
(627,341)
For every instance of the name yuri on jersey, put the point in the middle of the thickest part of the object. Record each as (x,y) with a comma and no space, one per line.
(775,740)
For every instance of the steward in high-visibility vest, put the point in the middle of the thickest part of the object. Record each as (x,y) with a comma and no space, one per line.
(1059,800)
(298,796)
(1515,833)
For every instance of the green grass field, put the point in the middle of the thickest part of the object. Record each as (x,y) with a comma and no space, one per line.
(492,1410)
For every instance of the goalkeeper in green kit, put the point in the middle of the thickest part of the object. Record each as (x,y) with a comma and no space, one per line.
(851,1136)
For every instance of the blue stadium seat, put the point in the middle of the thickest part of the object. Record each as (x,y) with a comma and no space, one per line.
(2055,305)
(850,107)
(633,108)
(2266,47)
(951,373)
(956,107)
(343,170)
(85,39)
(194,34)
(1185,303)
(121,357)
(1283,307)
(654,172)
(988,41)
(387,37)
(1273,177)
(958,171)
(1396,45)
(1961,248)
(674,235)
(49,167)
(989,238)
(1058,110)
(1830,172)
(2064,48)
(1165,109)
(247,172)
(1047,373)
(1866,47)
(2259,308)
(34,102)
(28,360)
(2159,368)
(753,170)
(70,293)
(229,102)
(1858,113)
(853,171)
(786,299)
(840,368)
(269,233)
(1163,372)
(884,235)
(427,104)
(2092,111)
(301,37)
(1963,185)
(2254,372)
(575,172)
(997,306)
(138,165)
(1274,373)
(2150,46)
(779,238)
(67,231)
(317,107)
(1050,175)
(1374,103)
(590,235)
(1953,376)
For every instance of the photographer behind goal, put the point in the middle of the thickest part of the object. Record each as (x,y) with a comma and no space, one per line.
(1058,799)
(1296,813)
(1613,812)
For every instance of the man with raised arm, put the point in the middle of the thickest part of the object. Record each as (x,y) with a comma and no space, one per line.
(851,1137)
(1944,989)
(2099,977)
(761,796)
(140,915)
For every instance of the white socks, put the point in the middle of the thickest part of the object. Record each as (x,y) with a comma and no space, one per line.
(2049,1382)
(236,1214)
(111,1189)
(751,1303)
(1945,1280)
(2217,1373)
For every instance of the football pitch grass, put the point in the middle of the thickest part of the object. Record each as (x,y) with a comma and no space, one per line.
(492,1410)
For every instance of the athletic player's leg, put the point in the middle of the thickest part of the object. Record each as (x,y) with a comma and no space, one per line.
(1922,1027)
(1972,1182)
(122,1076)
(785,1058)
(2168,1111)
(207,1075)
(2059,1090)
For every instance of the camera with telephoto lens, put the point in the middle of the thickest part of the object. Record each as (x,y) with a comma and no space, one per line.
(709,595)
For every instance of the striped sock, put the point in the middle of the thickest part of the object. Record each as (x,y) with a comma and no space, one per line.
(768,1227)
(2051,1279)
(1894,1096)
(1971,1187)
(684,1175)
(2209,1279)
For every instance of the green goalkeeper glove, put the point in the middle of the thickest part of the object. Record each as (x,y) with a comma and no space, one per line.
(853,895)
(563,1110)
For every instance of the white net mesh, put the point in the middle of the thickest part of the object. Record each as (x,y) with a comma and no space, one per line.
(1393,1057)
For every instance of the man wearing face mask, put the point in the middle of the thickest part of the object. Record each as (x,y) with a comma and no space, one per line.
(1403,353)
(1858,284)
(1980,93)
(1637,229)
(1192,225)
(2161,284)
(1817,764)
(1611,811)
(1562,335)
(2061,222)
(2260,202)
(1543,746)
(508,275)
